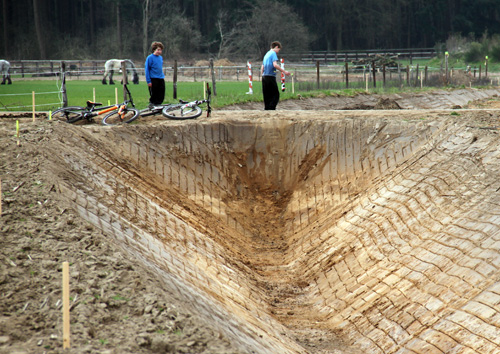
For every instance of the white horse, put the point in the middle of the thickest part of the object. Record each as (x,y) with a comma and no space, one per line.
(4,69)
(116,64)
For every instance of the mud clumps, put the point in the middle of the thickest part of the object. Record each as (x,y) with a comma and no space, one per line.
(387,103)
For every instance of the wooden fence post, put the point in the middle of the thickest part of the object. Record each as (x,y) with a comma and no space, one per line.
(486,67)
(63,85)
(416,77)
(374,74)
(346,75)
(383,75)
(400,78)
(446,66)
(317,74)
(213,76)
(124,80)
(174,81)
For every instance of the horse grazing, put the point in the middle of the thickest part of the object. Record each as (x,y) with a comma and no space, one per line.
(4,69)
(116,64)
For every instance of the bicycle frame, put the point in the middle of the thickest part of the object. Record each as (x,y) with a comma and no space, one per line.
(199,102)
(192,107)
(94,113)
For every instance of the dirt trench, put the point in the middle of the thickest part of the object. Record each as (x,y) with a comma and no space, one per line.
(279,225)
(305,231)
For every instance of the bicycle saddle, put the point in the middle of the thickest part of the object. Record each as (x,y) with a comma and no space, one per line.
(91,104)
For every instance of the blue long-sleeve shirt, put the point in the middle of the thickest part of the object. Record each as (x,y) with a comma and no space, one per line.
(268,63)
(154,68)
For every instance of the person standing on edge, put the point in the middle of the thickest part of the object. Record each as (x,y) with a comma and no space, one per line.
(154,75)
(268,71)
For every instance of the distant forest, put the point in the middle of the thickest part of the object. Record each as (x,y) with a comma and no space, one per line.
(102,29)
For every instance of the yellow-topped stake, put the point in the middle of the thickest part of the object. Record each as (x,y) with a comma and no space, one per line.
(33,93)
(17,132)
(66,307)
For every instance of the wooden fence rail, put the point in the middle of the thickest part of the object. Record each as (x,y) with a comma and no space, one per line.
(317,72)
(37,68)
(354,55)
(96,67)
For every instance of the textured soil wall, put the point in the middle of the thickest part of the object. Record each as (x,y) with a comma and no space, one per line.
(360,228)
(291,231)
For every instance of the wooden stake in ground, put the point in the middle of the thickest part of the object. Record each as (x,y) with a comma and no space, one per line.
(33,94)
(17,132)
(65,300)
(0,196)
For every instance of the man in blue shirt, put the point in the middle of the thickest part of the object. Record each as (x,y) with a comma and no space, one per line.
(268,71)
(154,75)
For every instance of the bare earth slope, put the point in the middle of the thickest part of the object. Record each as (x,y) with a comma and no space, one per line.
(397,252)
(439,99)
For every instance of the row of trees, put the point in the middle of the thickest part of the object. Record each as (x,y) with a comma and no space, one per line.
(99,29)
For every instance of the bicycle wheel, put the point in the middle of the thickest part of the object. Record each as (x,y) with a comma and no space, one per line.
(69,114)
(175,111)
(126,116)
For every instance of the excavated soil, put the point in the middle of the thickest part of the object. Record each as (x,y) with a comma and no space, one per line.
(303,230)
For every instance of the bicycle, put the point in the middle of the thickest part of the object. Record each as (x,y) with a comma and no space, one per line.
(181,110)
(117,113)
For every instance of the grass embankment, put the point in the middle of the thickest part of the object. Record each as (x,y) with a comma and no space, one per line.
(18,96)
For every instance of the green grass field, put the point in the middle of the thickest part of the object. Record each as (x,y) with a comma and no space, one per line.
(19,95)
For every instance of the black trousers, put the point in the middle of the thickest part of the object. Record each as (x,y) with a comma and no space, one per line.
(157,91)
(270,92)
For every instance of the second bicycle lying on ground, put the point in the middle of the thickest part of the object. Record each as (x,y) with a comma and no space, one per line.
(117,113)
(123,113)
(181,110)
